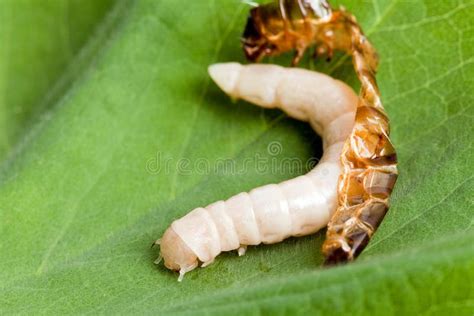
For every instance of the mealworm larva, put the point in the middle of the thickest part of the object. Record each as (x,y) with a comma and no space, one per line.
(361,147)
(273,212)
(369,159)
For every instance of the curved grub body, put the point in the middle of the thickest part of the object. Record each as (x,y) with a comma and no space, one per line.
(273,212)
(368,159)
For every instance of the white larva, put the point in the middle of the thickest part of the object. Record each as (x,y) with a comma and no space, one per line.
(273,212)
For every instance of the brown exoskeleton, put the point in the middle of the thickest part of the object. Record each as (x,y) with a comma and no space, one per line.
(368,158)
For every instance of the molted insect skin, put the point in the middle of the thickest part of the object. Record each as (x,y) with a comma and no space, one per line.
(273,212)
(285,25)
(369,159)
(370,165)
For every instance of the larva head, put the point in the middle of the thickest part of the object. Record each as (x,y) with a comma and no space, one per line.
(176,254)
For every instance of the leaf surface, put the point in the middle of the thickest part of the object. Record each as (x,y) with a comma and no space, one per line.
(137,140)
(39,41)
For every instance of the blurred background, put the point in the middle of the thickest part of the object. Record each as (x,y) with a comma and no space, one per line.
(40,38)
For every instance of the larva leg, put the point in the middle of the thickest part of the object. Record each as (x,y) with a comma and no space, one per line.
(185,270)
(205,264)
(273,212)
(242,250)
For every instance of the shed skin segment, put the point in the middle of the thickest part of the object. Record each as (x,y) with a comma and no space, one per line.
(369,159)
(274,212)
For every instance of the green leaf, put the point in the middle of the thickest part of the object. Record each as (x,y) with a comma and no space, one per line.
(39,40)
(96,181)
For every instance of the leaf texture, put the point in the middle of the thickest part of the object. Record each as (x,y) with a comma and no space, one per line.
(96,179)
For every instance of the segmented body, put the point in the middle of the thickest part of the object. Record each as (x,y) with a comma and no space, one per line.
(273,212)
(358,168)
(368,158)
